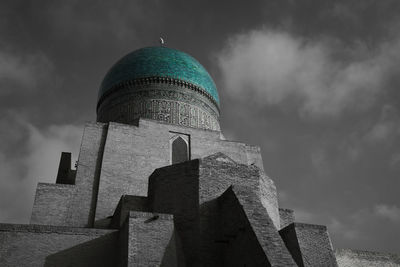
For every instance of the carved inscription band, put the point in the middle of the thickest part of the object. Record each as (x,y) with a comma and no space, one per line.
(169,111)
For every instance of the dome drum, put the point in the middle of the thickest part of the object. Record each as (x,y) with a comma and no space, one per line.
(164,101)
(166,80)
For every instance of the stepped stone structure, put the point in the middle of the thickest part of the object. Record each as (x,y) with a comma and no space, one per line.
(157,184)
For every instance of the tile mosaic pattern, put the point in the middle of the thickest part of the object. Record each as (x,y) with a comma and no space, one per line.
(159,62)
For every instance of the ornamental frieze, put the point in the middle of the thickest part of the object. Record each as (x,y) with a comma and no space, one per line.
(129,96)
(174,112)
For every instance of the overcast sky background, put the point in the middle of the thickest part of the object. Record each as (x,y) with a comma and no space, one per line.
(314,83)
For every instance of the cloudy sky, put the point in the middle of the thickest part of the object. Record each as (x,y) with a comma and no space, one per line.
(314,83)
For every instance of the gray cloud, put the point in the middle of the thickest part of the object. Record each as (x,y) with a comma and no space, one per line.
(381,133)
(357,227)
(327,106)
(273,67)
(387,127)
(74,19)
(395,161)
(20,71)
(390,212)
(37,162)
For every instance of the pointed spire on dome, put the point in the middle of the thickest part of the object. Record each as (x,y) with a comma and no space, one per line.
(162,42)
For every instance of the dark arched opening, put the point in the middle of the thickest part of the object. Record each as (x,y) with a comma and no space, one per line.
(180,151)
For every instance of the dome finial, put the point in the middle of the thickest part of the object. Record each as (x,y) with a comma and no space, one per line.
(162,42)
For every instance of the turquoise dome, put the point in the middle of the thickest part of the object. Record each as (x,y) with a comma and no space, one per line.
(159,62)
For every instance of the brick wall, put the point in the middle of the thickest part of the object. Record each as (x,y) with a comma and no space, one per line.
(309,244)
(240,244)
(151,240)
(132,153)
(126,204)
(253,238)
(357,258)
(175,190)
(38,245)
(51,203)
(218,172)
(118,159)
(188,191)
(83,203)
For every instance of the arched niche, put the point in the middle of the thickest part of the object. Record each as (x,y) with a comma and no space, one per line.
(179,150)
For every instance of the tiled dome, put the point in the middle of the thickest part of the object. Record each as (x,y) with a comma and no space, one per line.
(159,62)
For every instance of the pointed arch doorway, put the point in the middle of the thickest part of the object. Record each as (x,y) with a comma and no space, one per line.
(180,148)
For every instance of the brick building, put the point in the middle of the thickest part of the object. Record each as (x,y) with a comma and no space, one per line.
(157,184)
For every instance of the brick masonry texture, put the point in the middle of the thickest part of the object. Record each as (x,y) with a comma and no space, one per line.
(188,190)
(358,258)
(247,224)
(126,156)
(315,245)
(51,203)
(218,172)
(130,207)
(151,240)
(286,217)
(174,190)
(74,205)
(132,153)
(309,244)
(38,245)
(83,204)
(125,205)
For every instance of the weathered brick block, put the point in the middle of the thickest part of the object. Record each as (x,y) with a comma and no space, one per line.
(358,258)
(151,240)
(125,205)
(187,190)
(253,240)
(83,203)
(39,245)
(51,203)
(132,153)
(309,244)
